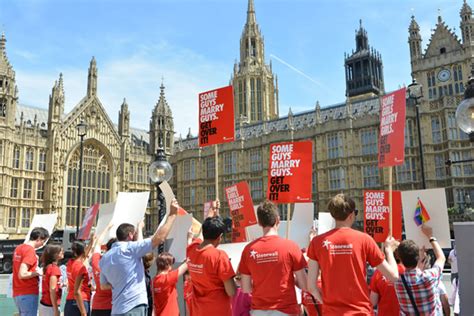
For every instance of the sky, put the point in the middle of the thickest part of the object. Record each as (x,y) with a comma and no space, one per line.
(192,45)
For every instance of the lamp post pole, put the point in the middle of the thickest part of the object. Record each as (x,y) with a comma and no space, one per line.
(415,92)
(160,170)
(82,131)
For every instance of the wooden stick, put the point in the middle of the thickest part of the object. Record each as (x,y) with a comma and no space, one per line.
(288,220)
(390,214)
(216,163)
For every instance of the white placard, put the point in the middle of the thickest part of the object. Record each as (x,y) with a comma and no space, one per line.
(234,251)
(47,221)
(434,201)
(106,213)
(325,222)
(177,240)
(130,207)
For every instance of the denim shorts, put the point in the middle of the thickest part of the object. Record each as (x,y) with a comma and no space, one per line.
(27,304)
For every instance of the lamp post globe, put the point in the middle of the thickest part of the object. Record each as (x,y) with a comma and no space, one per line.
(160,170)
(465,117)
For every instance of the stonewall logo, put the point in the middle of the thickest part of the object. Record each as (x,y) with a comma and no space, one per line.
(264,257)
(196,268)
(337,249)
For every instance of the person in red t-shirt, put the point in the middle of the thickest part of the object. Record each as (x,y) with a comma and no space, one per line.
(165,296)
(269,265)
(211,272)
(79,292)
(187,292)
(25,276)
(382,293)
(341,254)
(102,302)
(51,284)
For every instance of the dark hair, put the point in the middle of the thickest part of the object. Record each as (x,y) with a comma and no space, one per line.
(78,248)
(164,260)
(341,206)
(148,260)
(109,244)
(123,230)
(409,253)
(50,255)
(267,214)
(213,227)
(39,233)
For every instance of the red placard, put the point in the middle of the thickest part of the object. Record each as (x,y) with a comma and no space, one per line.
(88,221)
(290,172)
(376,214)
(216,116)
(241,209)
(392,129)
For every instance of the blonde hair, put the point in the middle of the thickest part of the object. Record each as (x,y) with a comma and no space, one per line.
(341,206)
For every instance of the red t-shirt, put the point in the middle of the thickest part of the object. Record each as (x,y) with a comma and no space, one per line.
(271,261)
(74,268)
(309,303)
(165,297)
(209,268)
(388,301)
(188,294)
(342,254)
(102,298)
(25,253)
(51,270)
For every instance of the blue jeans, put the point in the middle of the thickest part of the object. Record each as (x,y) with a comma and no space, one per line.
(27,304)
(71,308)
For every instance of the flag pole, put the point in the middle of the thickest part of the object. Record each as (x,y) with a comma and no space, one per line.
(390,201)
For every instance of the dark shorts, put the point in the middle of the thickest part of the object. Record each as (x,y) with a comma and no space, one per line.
(71,308)
(101,312)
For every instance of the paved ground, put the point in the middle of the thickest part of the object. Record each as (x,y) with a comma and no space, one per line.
(7,306)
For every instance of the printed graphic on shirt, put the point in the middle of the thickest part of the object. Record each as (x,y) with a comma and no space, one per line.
(196,268)
(264,257)
(337,249)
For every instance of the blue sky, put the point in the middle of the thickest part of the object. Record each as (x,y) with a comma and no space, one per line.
(193,45)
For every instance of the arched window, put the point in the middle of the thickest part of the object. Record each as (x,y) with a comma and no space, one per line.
(3,107)
(29,159)
(16,157)
(42,161)
(96,172)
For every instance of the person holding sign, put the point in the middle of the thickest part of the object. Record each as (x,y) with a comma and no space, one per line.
(25,276)
(211,273)
(122,268)
(268,267)
(417,289)
(341,254)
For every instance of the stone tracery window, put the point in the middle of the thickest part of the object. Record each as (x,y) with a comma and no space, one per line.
(96,181)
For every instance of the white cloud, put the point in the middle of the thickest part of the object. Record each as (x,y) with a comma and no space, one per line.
(137,78)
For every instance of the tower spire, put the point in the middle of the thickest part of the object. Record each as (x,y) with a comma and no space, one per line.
(92,78)
(3,41)
(251,19)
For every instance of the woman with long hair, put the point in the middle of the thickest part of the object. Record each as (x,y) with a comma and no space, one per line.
(79,293)
(51,287)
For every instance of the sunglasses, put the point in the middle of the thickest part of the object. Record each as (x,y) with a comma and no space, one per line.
(356,211)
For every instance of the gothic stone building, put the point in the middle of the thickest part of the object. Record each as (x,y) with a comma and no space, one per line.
(344,135)
(39,153)
(39,147)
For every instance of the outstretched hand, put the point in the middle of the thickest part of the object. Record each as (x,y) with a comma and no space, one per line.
(391,244)
(174,207)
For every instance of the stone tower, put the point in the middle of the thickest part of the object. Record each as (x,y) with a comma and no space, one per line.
(161,125)
(414,40)
(467,25)
(255,86)
(364,69)
(124,120)
(8,89)
(56,103)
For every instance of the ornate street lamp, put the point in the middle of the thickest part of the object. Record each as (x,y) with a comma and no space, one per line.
(415,93)
(81,131)
(160,170)
(465,115)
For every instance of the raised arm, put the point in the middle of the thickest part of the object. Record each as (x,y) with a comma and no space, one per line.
(438,252)
(162,232)
(389,267)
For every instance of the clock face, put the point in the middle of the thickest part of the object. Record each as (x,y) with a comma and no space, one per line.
(444,75)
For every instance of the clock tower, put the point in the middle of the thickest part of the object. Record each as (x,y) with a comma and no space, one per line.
(442,69)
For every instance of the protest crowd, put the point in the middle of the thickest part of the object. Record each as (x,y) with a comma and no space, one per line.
(274,277)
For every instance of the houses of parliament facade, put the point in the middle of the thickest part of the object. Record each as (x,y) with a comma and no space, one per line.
(39,147)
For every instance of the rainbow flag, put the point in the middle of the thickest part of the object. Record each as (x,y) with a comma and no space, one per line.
(421,214)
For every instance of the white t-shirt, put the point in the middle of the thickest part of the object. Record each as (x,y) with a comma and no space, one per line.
(453,259)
